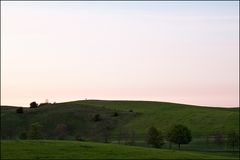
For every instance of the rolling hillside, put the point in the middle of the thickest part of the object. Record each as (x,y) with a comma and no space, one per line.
(78,116)
(201,120)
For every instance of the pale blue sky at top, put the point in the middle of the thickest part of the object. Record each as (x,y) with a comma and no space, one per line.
(184,52)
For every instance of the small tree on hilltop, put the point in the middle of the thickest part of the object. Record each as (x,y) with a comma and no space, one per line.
(179,134)
(155,138)
(233,139)
(33,105)
(35,131)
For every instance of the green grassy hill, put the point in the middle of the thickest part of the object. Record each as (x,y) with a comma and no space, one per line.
(79,119)
(78,116)
(88,150)
(201,120)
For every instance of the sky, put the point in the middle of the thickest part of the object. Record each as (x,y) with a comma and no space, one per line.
(183,52)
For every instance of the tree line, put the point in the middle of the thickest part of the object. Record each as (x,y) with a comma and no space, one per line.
(177,134)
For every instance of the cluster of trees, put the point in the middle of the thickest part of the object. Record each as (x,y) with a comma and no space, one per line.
(32,105)
(178,134)
(35,105)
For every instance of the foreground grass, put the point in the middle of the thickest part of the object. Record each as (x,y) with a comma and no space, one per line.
(51,149)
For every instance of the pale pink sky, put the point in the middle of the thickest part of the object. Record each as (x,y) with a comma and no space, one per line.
(184,52)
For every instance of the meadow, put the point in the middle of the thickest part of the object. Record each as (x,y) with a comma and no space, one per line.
(52,149)
(122,124)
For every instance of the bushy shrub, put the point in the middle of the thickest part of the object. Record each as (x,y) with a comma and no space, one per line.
(155,137)
(35,131)
(33,105)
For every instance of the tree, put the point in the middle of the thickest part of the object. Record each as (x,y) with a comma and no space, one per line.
(19,110)
(179,134)
(33,105)
(61,131)
(35,131)
(155,138)
(233,139)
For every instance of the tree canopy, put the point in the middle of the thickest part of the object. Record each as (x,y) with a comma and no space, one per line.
(179,134)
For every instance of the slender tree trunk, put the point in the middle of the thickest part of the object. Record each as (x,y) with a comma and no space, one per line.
(179,146)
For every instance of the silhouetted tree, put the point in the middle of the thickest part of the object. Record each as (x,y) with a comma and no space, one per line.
(61,131)
(35,131)
(33,105)
(19,110)
(179,134)
(233,139)
(155,138)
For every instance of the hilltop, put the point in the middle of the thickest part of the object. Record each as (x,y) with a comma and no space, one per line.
(132,116)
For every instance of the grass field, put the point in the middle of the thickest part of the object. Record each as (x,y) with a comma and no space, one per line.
(49,149)
(78,117)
